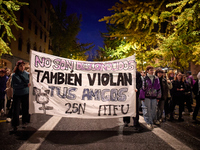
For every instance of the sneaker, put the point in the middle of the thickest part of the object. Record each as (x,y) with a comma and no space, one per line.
(8,120)
(156,122)
(149,126)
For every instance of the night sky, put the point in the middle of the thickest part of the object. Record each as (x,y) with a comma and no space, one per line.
(92,11)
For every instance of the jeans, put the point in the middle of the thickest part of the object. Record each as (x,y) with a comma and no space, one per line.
(149,107)
(17,100)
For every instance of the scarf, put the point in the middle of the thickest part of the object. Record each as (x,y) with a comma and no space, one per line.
(151,77)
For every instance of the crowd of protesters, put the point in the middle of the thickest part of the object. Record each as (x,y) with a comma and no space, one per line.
(161,92)
(157,94)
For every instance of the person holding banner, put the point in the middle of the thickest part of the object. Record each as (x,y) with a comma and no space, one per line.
(150,95)
(135,119)
(20,84)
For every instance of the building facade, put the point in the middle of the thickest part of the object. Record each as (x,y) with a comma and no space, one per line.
(35,19)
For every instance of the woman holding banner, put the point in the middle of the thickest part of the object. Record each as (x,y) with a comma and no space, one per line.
(20,84)
(150,95)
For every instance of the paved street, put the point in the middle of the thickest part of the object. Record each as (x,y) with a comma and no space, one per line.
(51,132)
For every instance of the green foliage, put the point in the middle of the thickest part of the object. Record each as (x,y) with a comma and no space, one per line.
(8,19)
(139,23)
(163,33)
(181,40)
(65,28)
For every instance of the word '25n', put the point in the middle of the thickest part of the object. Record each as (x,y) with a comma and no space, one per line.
(75,108)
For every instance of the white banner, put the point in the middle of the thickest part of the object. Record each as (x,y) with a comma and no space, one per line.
(82,89)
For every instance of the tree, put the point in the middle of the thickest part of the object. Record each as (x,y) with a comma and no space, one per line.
(8,19)
(182,39)
(64,30)
(162,32)
(138,22)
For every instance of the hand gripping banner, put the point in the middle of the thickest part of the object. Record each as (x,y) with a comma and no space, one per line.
(82,89)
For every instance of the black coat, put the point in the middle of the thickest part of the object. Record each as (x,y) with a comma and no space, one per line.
(178,95)
(196,88)
(138,83)
(164,88)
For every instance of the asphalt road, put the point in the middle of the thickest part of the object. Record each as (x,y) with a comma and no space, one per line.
(50,132)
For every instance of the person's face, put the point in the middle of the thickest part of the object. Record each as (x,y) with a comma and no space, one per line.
(8,72)
(159,74)
(150,71)
(179,76)
(21,67)
(171,75)
(142,74)
(187,74)
(1,74)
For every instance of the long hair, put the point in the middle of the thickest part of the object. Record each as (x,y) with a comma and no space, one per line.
(16,69)
(182,78)
(169,73)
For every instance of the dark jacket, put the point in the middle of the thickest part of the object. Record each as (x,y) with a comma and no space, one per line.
(138,83)
(20,82)
(149,89)
(196,88)
(3,81)
(164,88)
(178,95)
